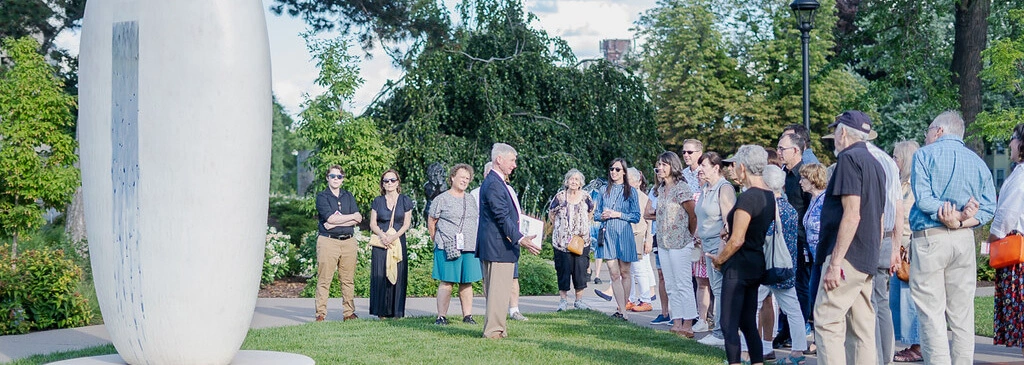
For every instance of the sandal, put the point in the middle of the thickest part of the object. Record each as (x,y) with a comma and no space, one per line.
(687,334)
(908,355)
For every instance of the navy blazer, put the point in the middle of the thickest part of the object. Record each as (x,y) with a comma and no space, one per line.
(497,237)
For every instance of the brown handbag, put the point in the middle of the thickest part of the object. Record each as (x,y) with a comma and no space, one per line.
(576,244)
(903,271)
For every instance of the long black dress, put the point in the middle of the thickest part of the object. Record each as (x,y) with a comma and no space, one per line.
(387,300)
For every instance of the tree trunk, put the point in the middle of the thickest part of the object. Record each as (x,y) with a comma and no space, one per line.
(14,247)
(74,225)
(971,36)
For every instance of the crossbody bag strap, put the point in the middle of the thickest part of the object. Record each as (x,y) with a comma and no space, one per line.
(391,223)
(463,219)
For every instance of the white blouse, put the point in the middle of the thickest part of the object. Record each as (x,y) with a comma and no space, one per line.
(1009,214)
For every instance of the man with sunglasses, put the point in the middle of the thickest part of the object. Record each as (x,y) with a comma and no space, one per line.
(692,150)
(336,249)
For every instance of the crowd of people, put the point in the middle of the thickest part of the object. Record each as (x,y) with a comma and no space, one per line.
(715,227)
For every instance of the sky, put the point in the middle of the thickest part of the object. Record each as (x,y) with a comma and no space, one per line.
(581,23)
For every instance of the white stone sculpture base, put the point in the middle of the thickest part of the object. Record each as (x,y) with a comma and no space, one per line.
(244,357)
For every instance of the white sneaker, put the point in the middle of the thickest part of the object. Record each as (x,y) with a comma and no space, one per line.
(518,317)
(701,326)
(562,304)
(711,340)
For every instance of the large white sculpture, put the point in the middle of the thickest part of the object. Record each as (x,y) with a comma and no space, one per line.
(175,124)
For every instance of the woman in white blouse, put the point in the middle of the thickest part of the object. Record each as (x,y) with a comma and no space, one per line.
(1009,219)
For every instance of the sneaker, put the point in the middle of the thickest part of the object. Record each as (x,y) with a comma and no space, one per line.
(711,340)
(441,321)
(701,326)
(810,331)
(630,305)
(654,297)
(468,319)
(562,304)
(579,304)
(597,280)
(769,356)
(618,315)
(518,317)
(604,296)
(661,319)
(642,307)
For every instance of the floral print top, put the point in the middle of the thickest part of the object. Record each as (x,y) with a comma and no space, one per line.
(570,219)
(789,218)
(812,223)
(673,222)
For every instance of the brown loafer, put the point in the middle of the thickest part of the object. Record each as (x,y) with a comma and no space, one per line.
(320,317)
(352,316)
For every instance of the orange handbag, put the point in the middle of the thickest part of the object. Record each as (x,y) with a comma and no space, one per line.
(1008,251)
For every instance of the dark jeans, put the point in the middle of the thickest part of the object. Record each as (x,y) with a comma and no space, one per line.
(813,286)
(739,313)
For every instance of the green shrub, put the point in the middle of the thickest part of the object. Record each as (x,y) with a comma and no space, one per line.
(985,272)
(536,276)
(39,290)
(292,215)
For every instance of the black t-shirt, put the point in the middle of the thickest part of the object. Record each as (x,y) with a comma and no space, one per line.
(857,173)
(327,204)
(748,262)
(799,199)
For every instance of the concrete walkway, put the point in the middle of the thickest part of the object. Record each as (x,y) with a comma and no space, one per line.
(293,311)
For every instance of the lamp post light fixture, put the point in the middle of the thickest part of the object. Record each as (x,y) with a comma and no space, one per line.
(803,11)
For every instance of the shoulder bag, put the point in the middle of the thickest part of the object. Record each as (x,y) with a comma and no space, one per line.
(903,271)
(778,262)
(374,239)
(1006,252)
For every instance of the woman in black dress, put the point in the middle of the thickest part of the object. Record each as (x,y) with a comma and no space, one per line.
(387,298)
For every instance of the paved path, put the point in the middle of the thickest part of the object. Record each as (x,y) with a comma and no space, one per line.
(293,311)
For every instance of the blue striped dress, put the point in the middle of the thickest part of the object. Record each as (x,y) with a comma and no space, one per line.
(619,243)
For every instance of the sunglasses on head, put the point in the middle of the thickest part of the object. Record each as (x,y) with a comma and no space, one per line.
(388,181)
(616,169)
(333,176)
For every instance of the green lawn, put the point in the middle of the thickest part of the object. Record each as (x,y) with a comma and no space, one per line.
(983,310)
(569,337)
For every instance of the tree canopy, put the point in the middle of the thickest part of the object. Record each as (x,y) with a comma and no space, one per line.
(37,145)
(501,80)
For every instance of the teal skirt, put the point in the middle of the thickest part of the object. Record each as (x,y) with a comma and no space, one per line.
(463,270)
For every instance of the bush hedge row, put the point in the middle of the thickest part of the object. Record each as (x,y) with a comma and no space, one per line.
(39,290)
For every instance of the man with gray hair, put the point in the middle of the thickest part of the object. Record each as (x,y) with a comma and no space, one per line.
(851,233)
(498,239)
(954,193)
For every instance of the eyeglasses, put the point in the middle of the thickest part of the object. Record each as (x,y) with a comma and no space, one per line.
(333,176)
(689,152)
(388,181)
(780,148)
(616,169)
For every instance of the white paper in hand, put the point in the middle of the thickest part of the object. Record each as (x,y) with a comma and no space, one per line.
(530,226)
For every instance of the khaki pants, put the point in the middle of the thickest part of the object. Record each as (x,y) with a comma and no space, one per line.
(943,271)
(498,291)
(844,315)
(336,255)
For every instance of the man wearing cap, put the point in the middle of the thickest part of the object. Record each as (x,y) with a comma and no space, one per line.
(851,232)
(954,192)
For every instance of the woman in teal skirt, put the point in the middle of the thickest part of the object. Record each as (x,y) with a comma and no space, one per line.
(617,209)
(452,225)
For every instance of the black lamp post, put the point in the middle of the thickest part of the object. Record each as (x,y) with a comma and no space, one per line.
(803,11)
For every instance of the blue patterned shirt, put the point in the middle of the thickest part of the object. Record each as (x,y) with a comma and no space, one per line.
(947,171)
(789,218)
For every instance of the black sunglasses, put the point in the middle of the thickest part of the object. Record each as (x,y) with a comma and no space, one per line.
(689,152)
(333,176)
(616,169)
(388,181)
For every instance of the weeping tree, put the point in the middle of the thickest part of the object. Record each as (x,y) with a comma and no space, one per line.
(500,80)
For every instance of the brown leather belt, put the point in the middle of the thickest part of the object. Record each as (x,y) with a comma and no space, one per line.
(933,232)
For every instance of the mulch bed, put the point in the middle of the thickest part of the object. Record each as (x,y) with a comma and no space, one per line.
(289,287)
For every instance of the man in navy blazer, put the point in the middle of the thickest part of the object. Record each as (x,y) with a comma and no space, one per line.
(498,239)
